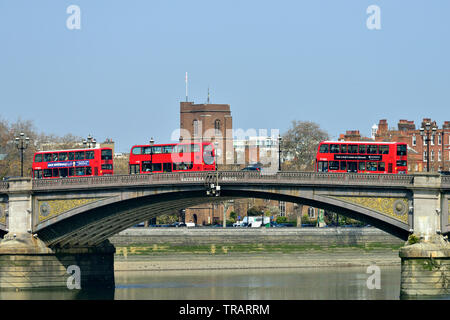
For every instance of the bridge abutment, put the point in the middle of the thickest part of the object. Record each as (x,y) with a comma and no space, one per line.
(27,262)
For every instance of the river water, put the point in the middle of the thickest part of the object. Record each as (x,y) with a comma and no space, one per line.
(243,284)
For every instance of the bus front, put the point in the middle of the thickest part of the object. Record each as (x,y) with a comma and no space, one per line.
(401,159)
(106,160)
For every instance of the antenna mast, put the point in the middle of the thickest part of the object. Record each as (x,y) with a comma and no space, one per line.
(186,87)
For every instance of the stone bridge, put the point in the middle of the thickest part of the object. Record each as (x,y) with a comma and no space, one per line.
(63,215)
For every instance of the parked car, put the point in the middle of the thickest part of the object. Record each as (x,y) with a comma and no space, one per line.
(139,225)
(286,225)
(252,167)
(178,224)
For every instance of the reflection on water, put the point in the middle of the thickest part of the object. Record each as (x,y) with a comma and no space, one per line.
(292,284)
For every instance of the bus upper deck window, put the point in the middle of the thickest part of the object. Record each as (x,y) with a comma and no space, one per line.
(38,157)
(401,150)
(106,154)
(323,148)
(372,149)
(352,148)
(334,148)
(384,149)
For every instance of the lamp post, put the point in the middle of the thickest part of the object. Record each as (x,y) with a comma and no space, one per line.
(151,153)
(90,142)
(443,149)
(279,152)
(426,137)
(21,143)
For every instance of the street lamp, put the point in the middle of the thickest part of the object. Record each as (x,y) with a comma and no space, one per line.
(216,144)
(21,143)
(279,152)
(426,137)
(151,153)
(90,142)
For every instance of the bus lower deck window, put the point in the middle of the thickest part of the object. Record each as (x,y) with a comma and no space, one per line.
(343,165)
(80,171)
(334,165)
(63,172)
(381,166)
(134,168)
(362,166)
(372,166)
(323,166)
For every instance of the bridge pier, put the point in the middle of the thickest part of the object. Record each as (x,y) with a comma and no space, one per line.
(425,261)
(27,262)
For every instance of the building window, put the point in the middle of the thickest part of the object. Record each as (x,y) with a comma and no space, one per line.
(432,155)
(195,123)
(311,213)
(439,155)
(432,140)
(424,138)
(424,156)
(217,127)
(414,140)
(282,207)
(439,139)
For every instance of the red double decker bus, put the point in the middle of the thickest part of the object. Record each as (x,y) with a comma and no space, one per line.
(361,157)
(172,158)
(72,163)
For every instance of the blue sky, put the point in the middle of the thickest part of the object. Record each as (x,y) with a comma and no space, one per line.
(122,74)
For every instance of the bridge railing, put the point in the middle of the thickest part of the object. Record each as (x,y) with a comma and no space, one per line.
(225,177)
(445,181)
(334,178)
(4,186)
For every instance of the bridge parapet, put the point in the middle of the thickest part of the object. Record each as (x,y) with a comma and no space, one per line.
(446,181)
(376,180)
(4,186)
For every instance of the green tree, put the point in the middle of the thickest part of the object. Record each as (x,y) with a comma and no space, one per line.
(233,216)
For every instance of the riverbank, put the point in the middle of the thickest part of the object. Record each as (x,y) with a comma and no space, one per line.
(158,249)
(337,257)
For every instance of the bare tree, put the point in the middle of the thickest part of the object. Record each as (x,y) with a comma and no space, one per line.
(10,155)
(299,145)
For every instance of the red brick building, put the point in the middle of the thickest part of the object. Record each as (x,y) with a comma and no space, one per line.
(213,122)
(208,122)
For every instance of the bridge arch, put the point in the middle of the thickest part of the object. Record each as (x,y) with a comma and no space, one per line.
(93,223)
